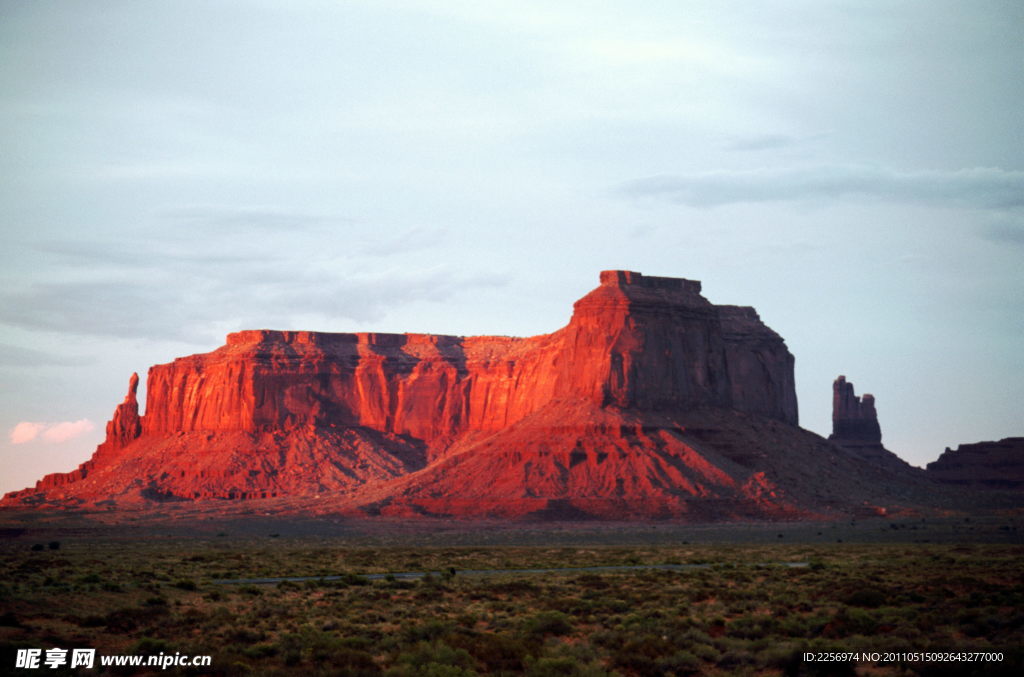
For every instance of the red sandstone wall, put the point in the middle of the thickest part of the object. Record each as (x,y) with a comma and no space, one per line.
(634,342)
(269,410)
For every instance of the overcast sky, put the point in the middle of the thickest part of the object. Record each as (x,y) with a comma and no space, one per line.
(173,171)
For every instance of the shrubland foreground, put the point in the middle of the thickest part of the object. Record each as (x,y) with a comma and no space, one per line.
(742,614)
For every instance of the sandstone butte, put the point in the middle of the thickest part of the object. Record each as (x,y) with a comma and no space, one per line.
(982,465)
(652,403)
(855,427)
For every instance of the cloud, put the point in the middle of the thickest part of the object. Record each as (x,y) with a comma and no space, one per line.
(759,142)
(616,51)
(762,142)
(414,239)
(67,430)
(233,218)
(1005,233)
(142,254)
(195,302)
(980,187)
(26,431)
(100,308)
(52,433)
(16,356)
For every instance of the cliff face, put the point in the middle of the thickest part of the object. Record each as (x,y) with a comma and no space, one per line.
(597,412)
(634,342)
(982,465)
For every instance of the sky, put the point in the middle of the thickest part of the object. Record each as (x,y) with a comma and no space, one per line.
(174,171)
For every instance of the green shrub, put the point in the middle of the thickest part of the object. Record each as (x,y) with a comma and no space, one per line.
(548,623)
(680,663)
(643,654)
(126,620)
(353,579)
(425,632)
(433,659)
(851,621)
(866,597)
(149,646)
(560,666)
(246,635)
(260,650)
(498,653)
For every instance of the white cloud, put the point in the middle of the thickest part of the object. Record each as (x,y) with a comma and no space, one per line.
(1009,233)
(412,240)
(67,430)
(26,431)
(28,358)
(246,218)
(979,187)
(618,51)
(184,304)
(54,433)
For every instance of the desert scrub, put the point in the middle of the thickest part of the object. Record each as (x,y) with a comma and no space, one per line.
(429,659)
(547,623)
(735,618)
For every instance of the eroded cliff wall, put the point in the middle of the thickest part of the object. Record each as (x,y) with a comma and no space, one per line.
(641,343)
(278,413)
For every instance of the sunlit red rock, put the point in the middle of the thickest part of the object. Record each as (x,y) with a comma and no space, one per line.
(652,402)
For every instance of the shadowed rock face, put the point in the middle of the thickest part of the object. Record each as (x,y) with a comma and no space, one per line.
(982,465)
(854,419)
(602,417)
(855,429)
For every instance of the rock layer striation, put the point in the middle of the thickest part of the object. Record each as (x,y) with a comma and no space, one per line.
(651,402)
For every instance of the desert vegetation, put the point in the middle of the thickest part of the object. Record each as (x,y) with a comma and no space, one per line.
(742,614)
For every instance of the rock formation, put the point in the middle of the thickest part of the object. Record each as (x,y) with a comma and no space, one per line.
(651,402)
(982,465)
(854,419)
(855,428)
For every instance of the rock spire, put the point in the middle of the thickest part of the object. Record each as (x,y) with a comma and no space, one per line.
(854,418)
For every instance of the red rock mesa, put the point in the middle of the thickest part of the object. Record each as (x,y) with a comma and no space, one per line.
(651,403)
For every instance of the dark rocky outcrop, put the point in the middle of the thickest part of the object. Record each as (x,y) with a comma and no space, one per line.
(982,465)
(855,428)
(854,419)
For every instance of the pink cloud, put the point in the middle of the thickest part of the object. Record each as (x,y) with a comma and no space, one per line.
(54,433)
(67,430)
(26,431)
